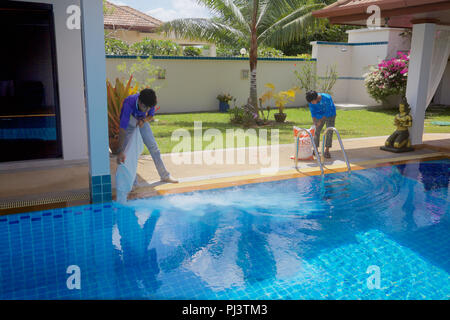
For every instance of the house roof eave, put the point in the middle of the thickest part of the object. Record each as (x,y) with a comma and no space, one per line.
(346,9)
(401,12)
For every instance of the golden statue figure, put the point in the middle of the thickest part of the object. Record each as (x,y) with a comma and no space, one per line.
(399,141)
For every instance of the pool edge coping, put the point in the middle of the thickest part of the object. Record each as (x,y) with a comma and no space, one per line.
(240,179)
(224,182)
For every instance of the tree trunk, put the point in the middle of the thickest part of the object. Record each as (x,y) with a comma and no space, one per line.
(254,61)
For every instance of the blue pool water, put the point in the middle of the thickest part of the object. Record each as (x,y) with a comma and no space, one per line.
(40,128)
(303,238)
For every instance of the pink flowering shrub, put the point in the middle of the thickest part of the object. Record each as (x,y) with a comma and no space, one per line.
(389,78)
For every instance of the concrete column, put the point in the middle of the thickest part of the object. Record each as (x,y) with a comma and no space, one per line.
(96,101)
(421,55)
(212,50)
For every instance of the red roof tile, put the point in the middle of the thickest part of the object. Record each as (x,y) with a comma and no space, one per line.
(125,17)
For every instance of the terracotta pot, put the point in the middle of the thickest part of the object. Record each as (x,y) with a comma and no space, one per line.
(280,117)
(392,101)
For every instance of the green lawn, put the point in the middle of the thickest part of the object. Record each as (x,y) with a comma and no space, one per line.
(350,123)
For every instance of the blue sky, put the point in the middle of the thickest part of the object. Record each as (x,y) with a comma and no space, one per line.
(167,10)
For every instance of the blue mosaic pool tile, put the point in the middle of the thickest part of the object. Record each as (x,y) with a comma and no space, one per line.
(96,180)
(100,189)
(97,197)
(97,189)
(287,241)
(107,188)
(106,179)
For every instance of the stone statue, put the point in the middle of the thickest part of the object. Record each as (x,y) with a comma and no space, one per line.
(399,141)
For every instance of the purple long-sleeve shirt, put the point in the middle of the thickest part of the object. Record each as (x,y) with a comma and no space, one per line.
(130,108)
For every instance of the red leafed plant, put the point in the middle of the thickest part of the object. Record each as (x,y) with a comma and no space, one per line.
(116,96)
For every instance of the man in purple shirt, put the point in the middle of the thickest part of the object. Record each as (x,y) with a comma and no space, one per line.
(136,111)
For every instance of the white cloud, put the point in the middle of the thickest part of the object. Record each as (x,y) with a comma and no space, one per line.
(180,9)
(163,14)
(118,2)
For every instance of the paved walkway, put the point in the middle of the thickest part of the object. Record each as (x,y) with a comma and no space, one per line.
(56,178)
(358,149)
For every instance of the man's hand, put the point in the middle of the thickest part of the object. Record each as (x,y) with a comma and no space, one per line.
(121,158)
(318,122)
(141,122)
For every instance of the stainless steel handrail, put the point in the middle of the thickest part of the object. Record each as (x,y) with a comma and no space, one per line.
(340,142)
(314,145)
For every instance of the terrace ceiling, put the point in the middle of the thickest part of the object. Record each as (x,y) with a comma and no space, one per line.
(394,13)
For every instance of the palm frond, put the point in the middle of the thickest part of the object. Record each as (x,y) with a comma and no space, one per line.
(291,27)
(202,29)
(228,11)
(273,10)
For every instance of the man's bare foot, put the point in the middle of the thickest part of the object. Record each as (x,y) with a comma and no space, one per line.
(169,180)
(327,154)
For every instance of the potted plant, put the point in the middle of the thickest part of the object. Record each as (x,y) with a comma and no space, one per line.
(224,100)
(280,99)
(386,83)
(266,97)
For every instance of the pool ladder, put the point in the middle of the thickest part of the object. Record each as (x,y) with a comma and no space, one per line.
(318,158)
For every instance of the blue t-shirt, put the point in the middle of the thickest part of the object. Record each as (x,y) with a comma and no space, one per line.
(324,108)
(130,108)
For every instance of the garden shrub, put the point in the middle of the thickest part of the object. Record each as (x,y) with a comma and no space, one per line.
(308,79)
(388,78)
(151,47)
(116,47)
(192,52)
(240,115)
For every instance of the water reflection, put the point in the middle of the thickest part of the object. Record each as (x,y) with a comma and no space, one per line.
(220,240)
(134,261)
(437,187)
(255,257)
(241,242)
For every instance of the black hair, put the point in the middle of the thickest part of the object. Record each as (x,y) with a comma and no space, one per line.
(311,95)
(148,97)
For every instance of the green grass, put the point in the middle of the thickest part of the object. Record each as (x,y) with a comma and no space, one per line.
(350,123)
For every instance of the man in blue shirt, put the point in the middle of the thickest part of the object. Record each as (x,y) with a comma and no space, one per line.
(323,111)
(136,110)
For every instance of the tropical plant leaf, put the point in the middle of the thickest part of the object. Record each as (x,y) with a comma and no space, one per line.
(115,97)
(292,27)
(253,23)
(202,29)
(228,11)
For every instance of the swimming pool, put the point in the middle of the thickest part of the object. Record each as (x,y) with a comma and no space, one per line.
(304,238)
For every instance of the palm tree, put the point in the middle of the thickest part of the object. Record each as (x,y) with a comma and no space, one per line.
(252,22)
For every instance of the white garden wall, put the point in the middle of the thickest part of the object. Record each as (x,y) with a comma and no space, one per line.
(328,55)
(193,84)
(352,61)
(396,42)
(365,47)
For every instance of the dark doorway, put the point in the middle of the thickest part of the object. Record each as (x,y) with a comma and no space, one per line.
(29,104)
